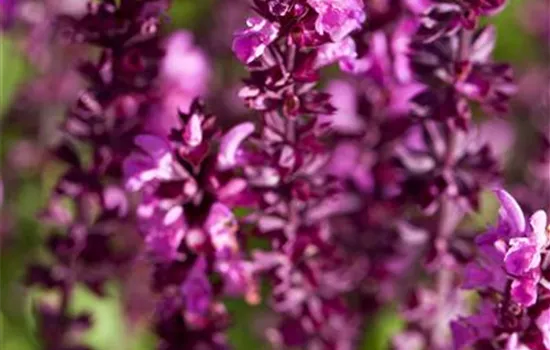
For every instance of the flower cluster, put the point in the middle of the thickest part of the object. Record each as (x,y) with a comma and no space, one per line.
(510,274)
(89,210)
(337,199)
(190,231)
(294,197)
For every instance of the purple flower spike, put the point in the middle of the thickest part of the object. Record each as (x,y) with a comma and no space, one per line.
(230,144)
(250,43)
(510,211)
(338,18)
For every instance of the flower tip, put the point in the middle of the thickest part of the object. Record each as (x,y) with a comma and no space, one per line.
(230,143)
(511,210)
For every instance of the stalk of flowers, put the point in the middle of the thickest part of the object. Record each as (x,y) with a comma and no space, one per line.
(88,208)
(293,197)
(510,275)
(368,128)
(188,193)
(396,157)
(426,155)
(456,67)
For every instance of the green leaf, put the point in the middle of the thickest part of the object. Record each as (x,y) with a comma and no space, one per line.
(13,71)
(189,14)
(513,44)
(241,334)
(381,329)
(108,330)
(487,213)
(13,338)
(241,212)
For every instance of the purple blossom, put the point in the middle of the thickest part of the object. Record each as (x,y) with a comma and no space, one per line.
(334,52)
(185,64)
(184,74)
(512,253)
(221,225)
(229,145)
(338,18)
(154,163)
(467,70)
(165,232)
(250,43)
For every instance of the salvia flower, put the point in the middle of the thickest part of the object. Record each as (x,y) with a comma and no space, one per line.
(88,204)
(510,276)
(338,18)
(185,214)
(250,43)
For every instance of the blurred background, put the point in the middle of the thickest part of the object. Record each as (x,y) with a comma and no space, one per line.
(35,88)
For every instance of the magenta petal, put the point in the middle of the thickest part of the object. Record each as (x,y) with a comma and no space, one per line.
(154,146)
(156,163)
(114,198)
(511,210)
(463,335)
(484,44)
(165,234)
(250,43)
(475,276)
(538,222)
(524,291)
(230,143)
(193,131)
(521,257)
(513,342)
(338,18)
(222,226)
(332,52)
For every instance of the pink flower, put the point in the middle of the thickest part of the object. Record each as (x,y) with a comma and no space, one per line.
(154,163)
(250,43)
(230,143)
(333,52)
(338,18)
